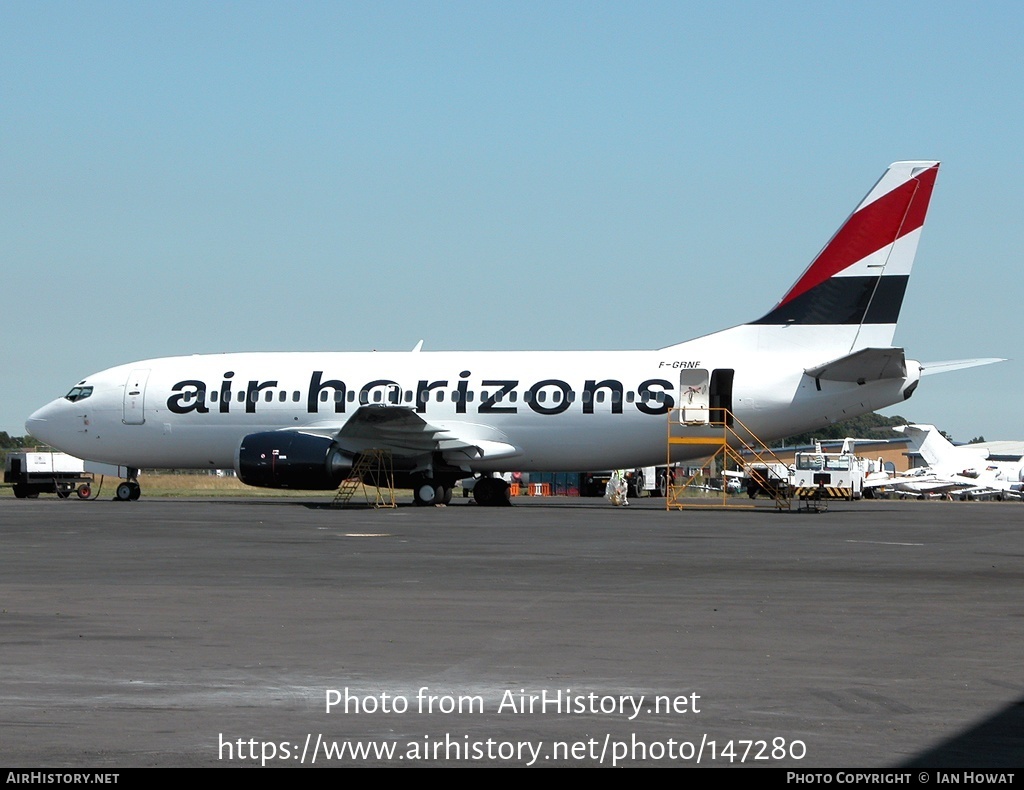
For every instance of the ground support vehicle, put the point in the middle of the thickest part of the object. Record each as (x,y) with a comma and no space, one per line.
(818,476)
(33,473)
(771,479)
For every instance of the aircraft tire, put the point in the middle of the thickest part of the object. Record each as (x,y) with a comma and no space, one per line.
(123,493)
(496,493)
(483,491)
(427,493)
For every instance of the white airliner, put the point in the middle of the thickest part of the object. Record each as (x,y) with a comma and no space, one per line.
(965,470)
(299,420)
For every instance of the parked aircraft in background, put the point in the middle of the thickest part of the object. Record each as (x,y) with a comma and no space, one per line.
(300,420)
(963,471)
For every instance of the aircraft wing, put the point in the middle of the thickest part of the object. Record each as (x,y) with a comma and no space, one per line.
(925,485)
(965,490)
(868,364)
(404,432)
(931,484)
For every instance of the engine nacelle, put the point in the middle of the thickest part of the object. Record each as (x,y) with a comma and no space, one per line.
(289,459)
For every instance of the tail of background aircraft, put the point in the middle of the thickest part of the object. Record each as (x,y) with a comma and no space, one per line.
(858,280)
(936,450)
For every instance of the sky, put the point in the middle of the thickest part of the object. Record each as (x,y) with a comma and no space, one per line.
(188,177)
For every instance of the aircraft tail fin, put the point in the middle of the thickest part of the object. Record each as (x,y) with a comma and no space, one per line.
(859,278)
(935,448)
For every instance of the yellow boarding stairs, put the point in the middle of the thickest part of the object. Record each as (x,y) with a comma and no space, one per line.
(727,440)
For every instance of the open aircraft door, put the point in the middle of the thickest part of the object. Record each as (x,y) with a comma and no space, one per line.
(135,397)
(693,396)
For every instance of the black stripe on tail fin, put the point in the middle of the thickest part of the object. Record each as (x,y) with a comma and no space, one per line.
(860,277)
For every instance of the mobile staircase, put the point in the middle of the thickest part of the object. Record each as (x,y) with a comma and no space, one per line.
(730,444)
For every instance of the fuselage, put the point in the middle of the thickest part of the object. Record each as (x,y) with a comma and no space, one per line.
(560,410)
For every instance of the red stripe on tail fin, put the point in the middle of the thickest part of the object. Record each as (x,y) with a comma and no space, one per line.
(869,229)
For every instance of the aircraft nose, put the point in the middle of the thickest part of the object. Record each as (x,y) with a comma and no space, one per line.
(42,423)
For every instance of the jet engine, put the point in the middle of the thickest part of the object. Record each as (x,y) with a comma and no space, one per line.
(290,459)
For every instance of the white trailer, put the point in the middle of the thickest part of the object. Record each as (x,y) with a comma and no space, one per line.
(33,473)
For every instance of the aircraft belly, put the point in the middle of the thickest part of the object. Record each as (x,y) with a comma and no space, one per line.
(586,442)
(158,444)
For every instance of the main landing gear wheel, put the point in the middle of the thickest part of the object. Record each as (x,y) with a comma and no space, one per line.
(128,491)
(431,493)
(492,492)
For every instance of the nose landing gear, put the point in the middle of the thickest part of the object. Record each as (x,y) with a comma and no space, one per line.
(129,490)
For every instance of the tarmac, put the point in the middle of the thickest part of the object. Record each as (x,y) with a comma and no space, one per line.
(559,632)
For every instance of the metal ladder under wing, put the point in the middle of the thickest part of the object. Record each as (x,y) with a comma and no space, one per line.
(373,465)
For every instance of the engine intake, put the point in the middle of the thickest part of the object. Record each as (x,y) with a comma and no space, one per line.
(289,459)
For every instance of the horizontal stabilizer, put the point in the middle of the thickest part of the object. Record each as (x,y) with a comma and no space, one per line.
(868,364)
(928,368)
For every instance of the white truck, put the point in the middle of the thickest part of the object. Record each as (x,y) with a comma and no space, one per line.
(818,475)
(33,473)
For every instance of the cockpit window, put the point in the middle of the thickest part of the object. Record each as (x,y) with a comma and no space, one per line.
(78,393)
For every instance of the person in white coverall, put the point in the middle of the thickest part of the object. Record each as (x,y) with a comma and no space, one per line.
(618,488)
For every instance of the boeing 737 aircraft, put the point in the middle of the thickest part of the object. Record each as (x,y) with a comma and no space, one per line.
(300,420)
